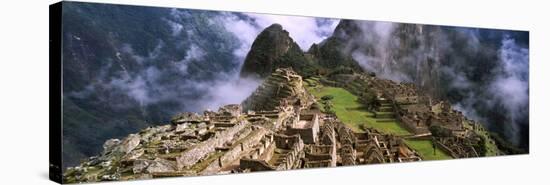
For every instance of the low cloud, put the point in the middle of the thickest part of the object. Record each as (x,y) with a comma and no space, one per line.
(194,53)
(511,87)
(176,27)
(445,62)
(304,30)
(230,90)
(244,30)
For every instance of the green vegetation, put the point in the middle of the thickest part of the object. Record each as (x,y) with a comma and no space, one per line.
(425,149)
(327,107)
(505,146)
(439,131)
(327,104)
(327,97)
(330,56)
(481,146)
(349,110)
(352,112)
(489,143)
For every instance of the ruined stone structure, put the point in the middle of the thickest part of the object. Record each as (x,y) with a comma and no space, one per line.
(276,128)
(284,87)
(307,126)
(401,102)
(380,148)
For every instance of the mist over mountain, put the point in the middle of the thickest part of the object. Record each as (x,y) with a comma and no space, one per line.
(126,68)
(483,72)
(129,67)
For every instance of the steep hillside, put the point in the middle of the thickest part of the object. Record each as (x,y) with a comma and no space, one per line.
(272,49)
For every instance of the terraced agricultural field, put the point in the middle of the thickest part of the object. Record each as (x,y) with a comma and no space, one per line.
(352,112)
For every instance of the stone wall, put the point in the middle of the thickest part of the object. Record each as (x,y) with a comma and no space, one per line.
(255,165)
(320,149)
(267,154)
(194,154)
(406,99)
(411,125)
(256,158)
(286,142)
(308,135)
(348,155)
(372,154)
(328,135)
(295,145)
(239,148)
(328,150)
(318,157)
(318,164)
(446,149)
(345,135)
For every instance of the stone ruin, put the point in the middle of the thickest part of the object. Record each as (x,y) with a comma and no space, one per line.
(277,131)
(401,102)
(305,125)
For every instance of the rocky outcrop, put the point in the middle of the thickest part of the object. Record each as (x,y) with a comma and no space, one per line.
(129,144)
(153,166)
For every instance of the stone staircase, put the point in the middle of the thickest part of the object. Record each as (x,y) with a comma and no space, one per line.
(385,112)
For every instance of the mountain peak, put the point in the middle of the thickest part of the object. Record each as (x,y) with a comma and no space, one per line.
(275,27)
(270,45)
(346,29)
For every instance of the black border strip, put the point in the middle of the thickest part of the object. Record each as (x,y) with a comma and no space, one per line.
(55,100)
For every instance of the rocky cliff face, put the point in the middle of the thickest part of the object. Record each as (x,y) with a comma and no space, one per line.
(273,49)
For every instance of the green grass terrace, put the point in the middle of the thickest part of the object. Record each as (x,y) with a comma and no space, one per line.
(350,111)
(353,113)
(426,151)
